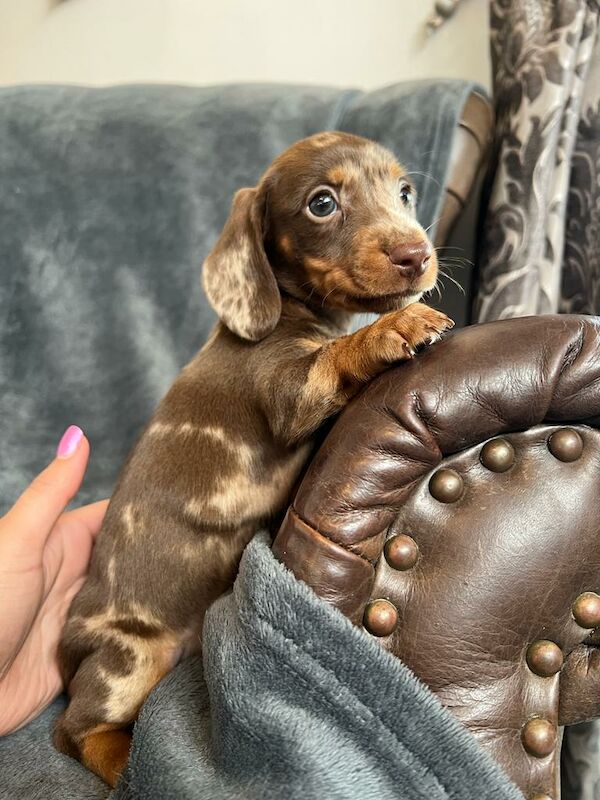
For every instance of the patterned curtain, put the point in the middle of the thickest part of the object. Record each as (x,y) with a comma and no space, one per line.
(541,231)
(541,236)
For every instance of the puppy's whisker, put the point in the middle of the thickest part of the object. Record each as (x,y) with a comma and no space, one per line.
(434,288)
(451,267)
(454,281)
(424,175)
(327,295)
(456,261)
(313,289)
(435,222)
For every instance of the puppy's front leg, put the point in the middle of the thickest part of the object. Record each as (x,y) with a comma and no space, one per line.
(341,367)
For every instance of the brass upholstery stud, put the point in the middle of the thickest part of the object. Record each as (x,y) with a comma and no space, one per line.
(586,610)
(498,455)
(538,737)
(381,617)
(446,485)
(401,552)
(544,657)
(566,445)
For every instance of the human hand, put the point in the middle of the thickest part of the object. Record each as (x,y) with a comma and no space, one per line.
(44,556)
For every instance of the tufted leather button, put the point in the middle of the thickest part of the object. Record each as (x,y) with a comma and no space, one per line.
(586,610)
(381,617)
(566,445)
(446,485)
(544,657)
(498,455)
(538,737)
(401,552)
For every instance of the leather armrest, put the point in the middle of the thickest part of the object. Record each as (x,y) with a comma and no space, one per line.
(453,512)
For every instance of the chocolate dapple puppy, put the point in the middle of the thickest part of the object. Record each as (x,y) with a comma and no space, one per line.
(330,230)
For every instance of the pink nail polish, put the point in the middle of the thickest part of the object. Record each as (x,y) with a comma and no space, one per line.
(69,442)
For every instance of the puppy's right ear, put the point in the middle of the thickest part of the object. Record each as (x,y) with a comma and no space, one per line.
(237,277)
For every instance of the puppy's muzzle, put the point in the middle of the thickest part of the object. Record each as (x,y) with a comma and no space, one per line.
(412,258)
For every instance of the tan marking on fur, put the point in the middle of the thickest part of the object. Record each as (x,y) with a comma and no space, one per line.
(285,243)
(317,264)
(328,278)
(239,448)
(101,623)
(369,178)
(221,548)
(323,375)
(240,497)
(325,139)
(309,345)
(143,614)
(111,570)
(351,173)
(335,280)
(241,281)
(160,429)
(105,751)
(128,518)
(168,429)
(337,175)
(153,659)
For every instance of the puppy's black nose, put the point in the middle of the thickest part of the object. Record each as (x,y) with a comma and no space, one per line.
(412,258)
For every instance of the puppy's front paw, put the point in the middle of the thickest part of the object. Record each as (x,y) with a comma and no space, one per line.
(406,330)
(419,324)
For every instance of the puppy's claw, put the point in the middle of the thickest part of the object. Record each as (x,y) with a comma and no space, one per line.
(435,334)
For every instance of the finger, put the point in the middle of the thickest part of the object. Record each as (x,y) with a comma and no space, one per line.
(37,509)
(90,516)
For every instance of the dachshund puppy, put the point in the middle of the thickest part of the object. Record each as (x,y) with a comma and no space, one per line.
(330,230)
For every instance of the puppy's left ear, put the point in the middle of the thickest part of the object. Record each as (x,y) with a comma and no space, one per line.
(237,276)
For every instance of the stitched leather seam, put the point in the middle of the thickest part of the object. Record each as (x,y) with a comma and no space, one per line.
(573,351)
(326,536)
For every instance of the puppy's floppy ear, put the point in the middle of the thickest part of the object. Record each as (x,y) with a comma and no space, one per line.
(237,276)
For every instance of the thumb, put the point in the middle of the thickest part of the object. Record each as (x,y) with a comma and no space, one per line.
(33,515)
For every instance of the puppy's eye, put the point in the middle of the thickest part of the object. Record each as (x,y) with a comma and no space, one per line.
(323,204)
(406,194)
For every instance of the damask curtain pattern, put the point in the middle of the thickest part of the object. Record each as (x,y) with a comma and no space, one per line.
(540,248)
(581,263)
(545,61)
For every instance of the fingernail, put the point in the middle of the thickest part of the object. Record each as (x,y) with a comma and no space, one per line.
(69,442)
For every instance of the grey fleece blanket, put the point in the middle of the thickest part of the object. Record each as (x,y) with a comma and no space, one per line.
(293,703)
(109,201)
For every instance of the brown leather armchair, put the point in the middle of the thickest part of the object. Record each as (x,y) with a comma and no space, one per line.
(453,512)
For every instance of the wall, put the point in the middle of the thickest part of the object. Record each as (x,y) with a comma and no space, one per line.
(340,42)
